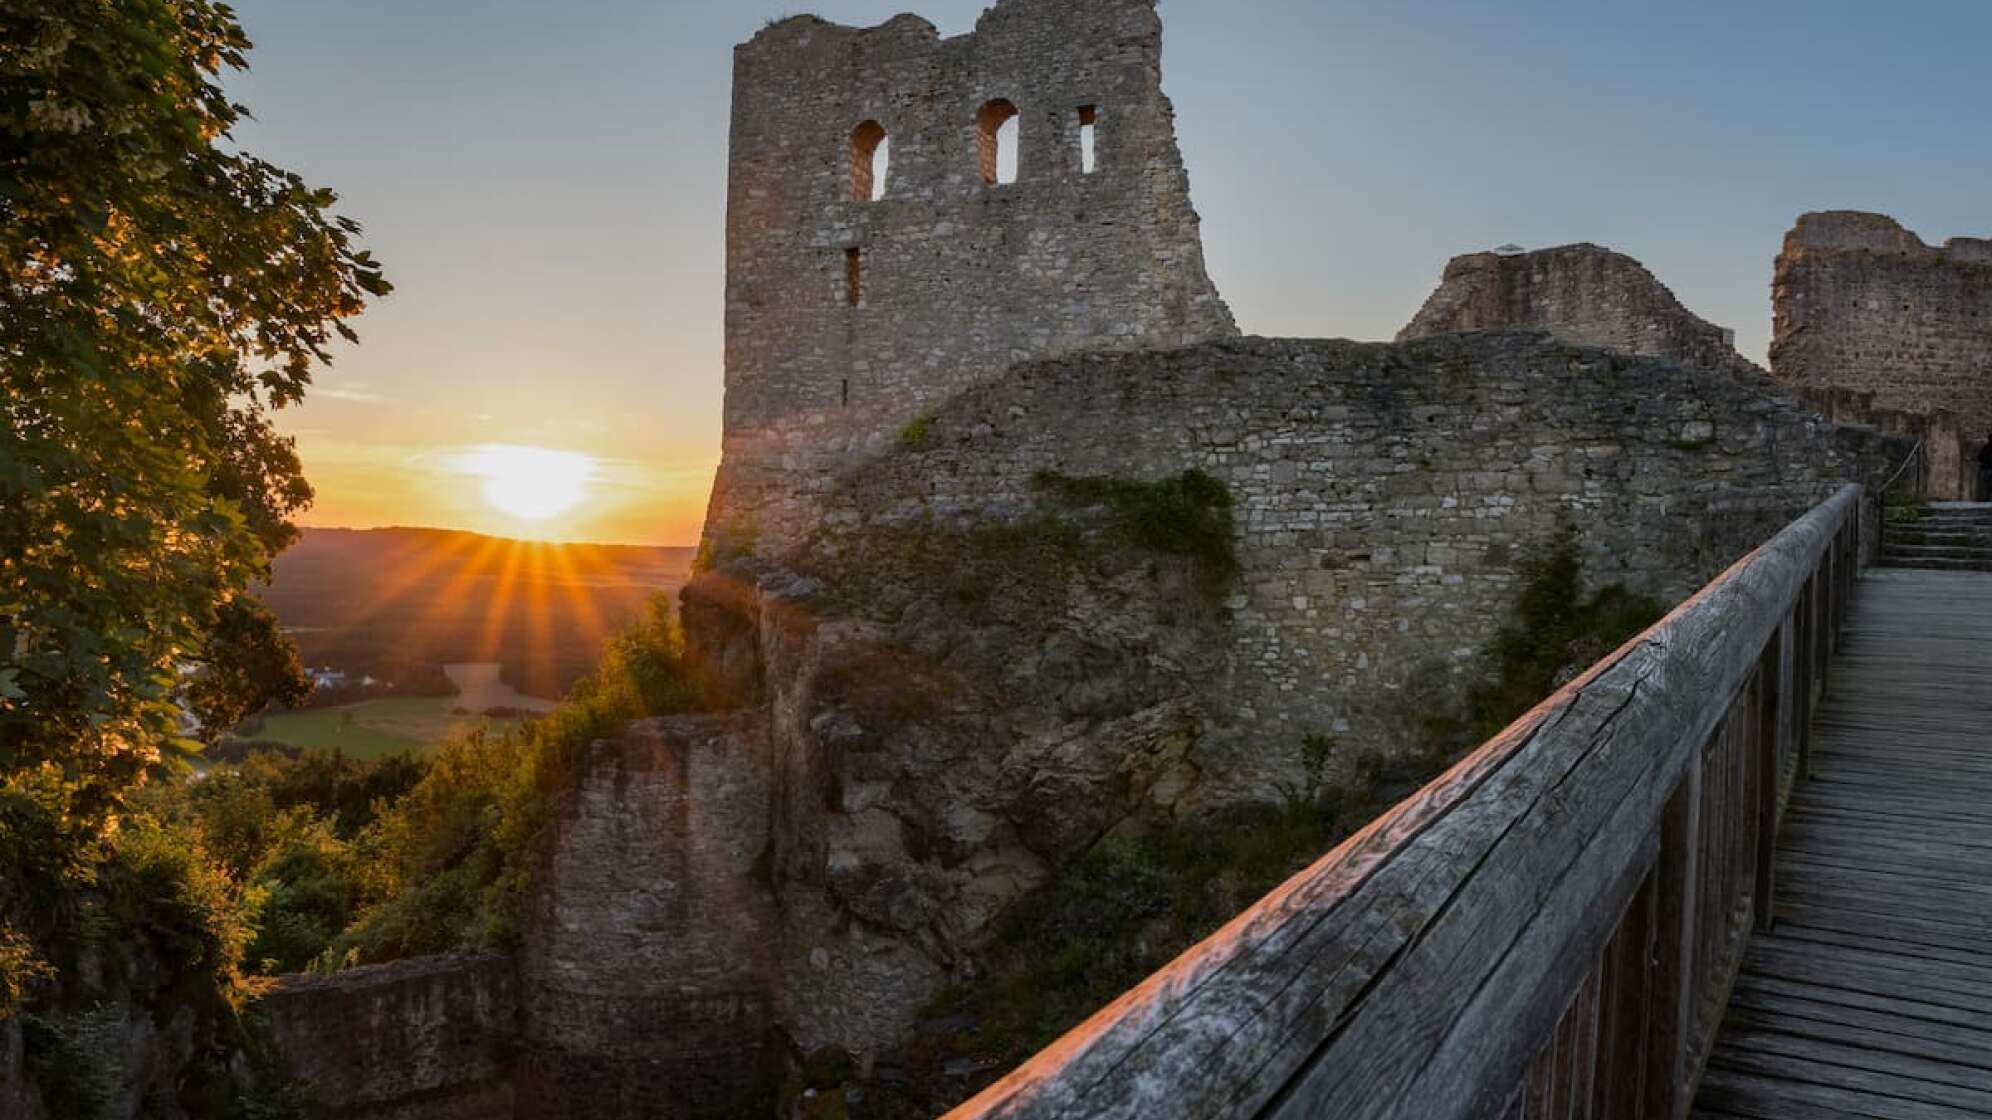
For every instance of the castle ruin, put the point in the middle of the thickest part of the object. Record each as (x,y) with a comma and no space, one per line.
(955,268)
(909,215)
(1861,304)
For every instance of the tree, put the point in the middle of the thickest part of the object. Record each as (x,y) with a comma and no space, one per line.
(162,294)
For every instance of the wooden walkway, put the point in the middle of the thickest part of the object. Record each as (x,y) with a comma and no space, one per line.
(1873,995)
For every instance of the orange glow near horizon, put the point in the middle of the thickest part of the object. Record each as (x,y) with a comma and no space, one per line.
(512,490)
(529,483)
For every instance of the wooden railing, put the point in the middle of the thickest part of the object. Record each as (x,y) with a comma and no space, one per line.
(1549,930)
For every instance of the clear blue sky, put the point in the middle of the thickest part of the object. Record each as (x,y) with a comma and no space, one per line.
(546,184)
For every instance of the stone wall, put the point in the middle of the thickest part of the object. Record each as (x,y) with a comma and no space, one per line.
(648,969)
(431,1038)
(961,701)
(1593,296)
(1584,294)
(1861,304)
(846,317)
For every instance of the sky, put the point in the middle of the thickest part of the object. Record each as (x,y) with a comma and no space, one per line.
(545,183)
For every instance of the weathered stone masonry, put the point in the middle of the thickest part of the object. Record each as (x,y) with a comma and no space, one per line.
(1584,294)
(428,1039)
(1593,296)
(846,317)
(1861,304)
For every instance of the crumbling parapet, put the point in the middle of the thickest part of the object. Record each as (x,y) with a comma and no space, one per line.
(878,260)
(1583,294)
(431,1038)
(1861,304)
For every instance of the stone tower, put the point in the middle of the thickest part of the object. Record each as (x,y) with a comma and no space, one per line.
(1861,304)
(909,215)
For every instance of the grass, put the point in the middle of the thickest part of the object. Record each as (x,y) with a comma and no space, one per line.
(373,728)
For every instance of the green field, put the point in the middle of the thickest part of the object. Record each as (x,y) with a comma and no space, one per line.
(374,727)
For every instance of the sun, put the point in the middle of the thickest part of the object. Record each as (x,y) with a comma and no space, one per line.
(529,483)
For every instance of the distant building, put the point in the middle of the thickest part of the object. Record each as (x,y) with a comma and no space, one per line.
(326,677)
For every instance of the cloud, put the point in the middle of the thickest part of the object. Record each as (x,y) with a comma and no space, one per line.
(359,396)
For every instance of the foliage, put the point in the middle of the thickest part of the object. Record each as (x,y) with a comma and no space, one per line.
(1186,515)
(167,894)
(1906,509)
(164,292)
(1556,633)
(20,969)
(75,1062)
(446,867)
(918,434)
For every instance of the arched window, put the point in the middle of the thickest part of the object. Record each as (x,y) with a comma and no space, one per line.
(996,142)
(871,158)
(1089,120)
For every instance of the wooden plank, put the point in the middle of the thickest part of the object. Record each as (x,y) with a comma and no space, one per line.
(1792,1063)
(1873,996)
(1769,1096)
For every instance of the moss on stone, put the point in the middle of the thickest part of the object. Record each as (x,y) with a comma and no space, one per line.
(1187,515)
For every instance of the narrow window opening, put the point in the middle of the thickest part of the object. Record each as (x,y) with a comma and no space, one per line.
(1089,121)
(871,160)
(844,397)
(998,142)
(854,275)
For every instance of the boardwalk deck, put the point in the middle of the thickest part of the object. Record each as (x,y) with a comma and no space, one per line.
(1873,995)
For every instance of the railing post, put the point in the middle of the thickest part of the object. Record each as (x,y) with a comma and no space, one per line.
(1770,769)
(1626,1061)
(1669,1032)
(1805,651)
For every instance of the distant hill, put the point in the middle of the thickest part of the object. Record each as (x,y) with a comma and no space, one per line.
(400,603)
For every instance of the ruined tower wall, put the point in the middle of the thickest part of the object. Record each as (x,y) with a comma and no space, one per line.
(1862,304)
(1584,294)
(846,317)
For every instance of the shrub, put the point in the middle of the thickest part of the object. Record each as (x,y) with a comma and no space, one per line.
(448,864)
(918,434)
(75,1062)
(1557,632)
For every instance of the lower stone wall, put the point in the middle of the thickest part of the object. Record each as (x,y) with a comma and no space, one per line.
(648,977)
(426,1039)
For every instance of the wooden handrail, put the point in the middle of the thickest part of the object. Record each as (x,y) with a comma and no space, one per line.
(1548,929)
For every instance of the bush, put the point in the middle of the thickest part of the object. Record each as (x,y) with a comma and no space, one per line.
(76,1063)
(1557,633)
(447,865)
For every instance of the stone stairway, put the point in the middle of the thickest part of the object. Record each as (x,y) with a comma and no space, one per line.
(1953,536)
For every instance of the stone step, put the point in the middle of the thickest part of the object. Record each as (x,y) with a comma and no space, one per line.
(1938,563)
(1959,537)
(1898,552)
